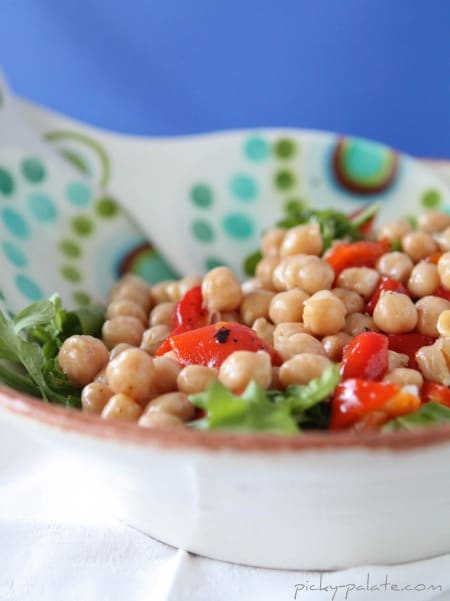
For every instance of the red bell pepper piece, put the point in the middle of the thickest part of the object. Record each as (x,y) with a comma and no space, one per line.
(442,293)
(385,284)
(409,344)
(366,357)
(435,392)
(357,254)
(434,258)
(212,344)
(355,399)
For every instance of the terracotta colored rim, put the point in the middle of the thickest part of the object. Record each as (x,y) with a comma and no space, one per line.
(70,420)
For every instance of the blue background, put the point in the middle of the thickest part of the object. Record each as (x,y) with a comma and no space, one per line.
(376,68)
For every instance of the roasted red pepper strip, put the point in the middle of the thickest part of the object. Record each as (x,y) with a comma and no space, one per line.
(435,392)
(356,254)
(354,399)
(386,283)
(434,258)
(212,344)
(366,357)
(189,314)
(442,293)
(409,344)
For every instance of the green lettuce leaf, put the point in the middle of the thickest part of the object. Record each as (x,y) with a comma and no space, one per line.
(430,414)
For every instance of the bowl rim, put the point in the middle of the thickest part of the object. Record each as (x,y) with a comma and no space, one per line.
(76,422)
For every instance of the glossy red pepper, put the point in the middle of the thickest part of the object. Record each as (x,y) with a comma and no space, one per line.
(385,284)
(356,254)
(355,399)
(189,314)
(409,344)
(366,357)
(434,258)
(442,293)
(431,391)
(212,344)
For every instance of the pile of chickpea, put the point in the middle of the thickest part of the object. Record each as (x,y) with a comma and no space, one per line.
(294,303)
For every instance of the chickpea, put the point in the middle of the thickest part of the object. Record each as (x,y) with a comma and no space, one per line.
(162,314)
(275,383)
(287,306)
(443,323)
(434,361)
(271,242)
(251,285)
(176,290)
(241,367)
(402,376)
(291,339)
(166,373)
(353,302)
(264,330)
(395,313)
(140,295)
(174,403)
(418,245)
(173,292)
(122,329)
(433,221)
(429,309)
(94,397)
(126,307)
(395,230)
(301,369)
(307,272)
(302,239)
(122,408)
(225,316)
(132,373)
(221,290)
(334,345)
(256,304)
(119,348)
(396,265)
(101,376)
(424,279)
(361,280)
(153,338)
(396,360)
(81,358)
(444,270)
(324,313)
(265,269)
(159,419)
(443,239)
(357,323)
(160,291)
(196,378)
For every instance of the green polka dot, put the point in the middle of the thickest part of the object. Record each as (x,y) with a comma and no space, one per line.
(14,254)
(81,298)
(238,226)
(212,262)
(243,187)
(202,231)
(106,207)
(70,249)
(82,225)
(285,148)
(33,170)
(284,179)
(294,205)
(6,182)
(28,288)
(15,223)
(431,199)
(202,196)
(42,207)
(256,149)
(70,273)
(79,194)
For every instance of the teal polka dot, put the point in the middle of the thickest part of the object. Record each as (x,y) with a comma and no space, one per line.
(202,196)
(238,226)
(79,194)
(243,187)
(256,149)
(33,170)
(15,223)
(28,288)
(14,254)
(6,182)
(42,207)
(212,262)
(202,231)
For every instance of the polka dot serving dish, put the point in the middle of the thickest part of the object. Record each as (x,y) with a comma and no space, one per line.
(79,207)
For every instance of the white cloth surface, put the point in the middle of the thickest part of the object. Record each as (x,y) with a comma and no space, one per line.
(58,542)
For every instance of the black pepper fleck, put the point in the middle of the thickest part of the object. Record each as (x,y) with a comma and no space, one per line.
(222,335)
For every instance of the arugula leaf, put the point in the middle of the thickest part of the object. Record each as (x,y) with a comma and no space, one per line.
(430,414)
(250,263)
